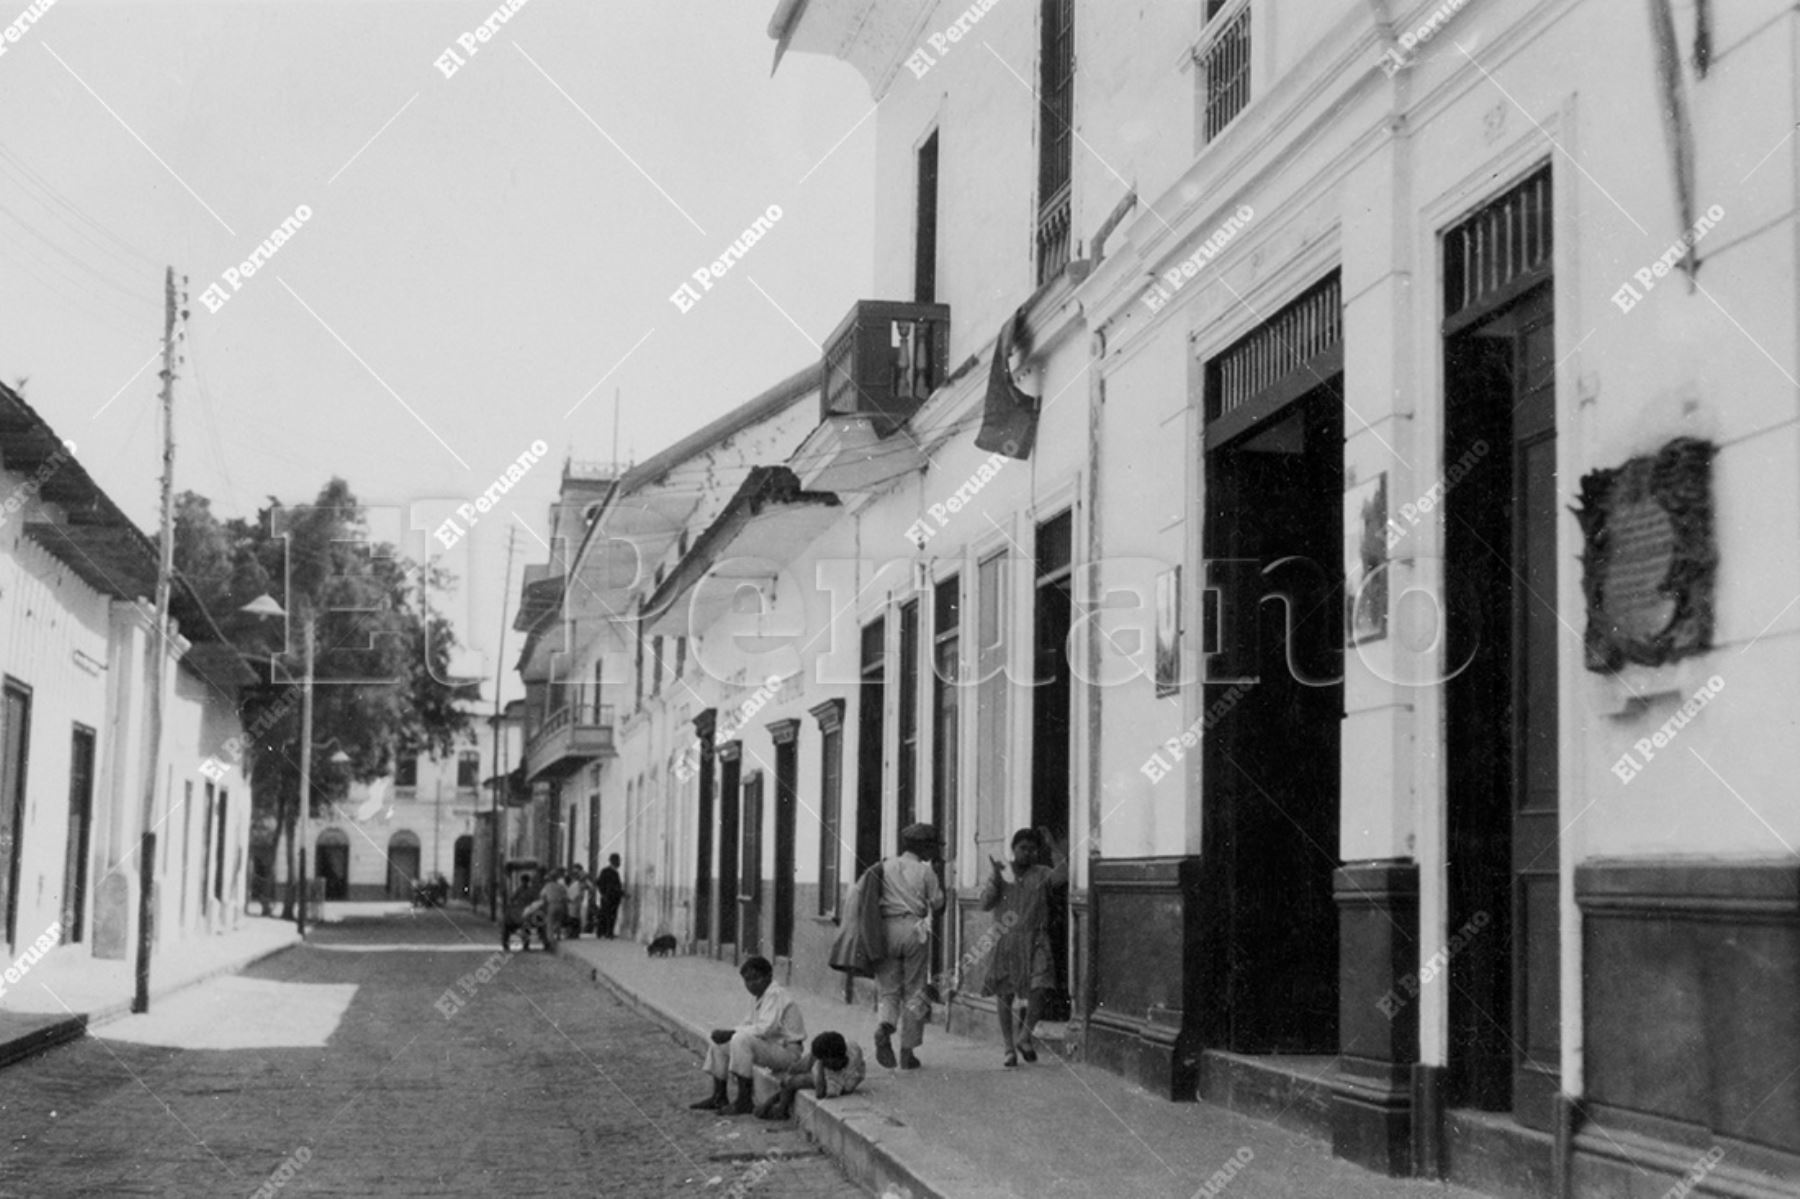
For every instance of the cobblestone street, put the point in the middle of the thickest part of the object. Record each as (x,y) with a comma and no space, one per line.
(539,1084)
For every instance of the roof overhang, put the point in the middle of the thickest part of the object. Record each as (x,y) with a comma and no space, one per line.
(846,454)
(539,596)
(766,524)
(99,543)
(873,36)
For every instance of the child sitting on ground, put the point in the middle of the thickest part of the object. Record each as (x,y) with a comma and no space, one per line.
(833,1068)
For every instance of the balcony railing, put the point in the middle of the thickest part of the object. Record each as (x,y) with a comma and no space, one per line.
(1053,236)
(1223,62)
(568,739)
(884,359)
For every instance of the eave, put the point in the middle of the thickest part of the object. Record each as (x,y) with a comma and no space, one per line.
(766,524)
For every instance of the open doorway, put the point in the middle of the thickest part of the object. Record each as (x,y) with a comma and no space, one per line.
(1501,712)
(1051,756)
(1270,816)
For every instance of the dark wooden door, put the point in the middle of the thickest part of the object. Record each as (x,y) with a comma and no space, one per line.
(81,827)
(1272,758)
(1051,747)
(1501,718)
(750,868)
(870,725)
(15,752)
(787,800)
(729,768)
(334,865)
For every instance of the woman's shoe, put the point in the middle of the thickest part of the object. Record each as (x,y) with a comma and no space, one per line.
(1028,1048)
(1011,1059)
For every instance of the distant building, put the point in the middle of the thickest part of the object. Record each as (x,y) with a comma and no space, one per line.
(377,839)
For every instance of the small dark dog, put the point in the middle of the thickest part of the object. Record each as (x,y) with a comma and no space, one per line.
(664,946)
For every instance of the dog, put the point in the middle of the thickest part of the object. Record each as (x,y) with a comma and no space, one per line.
(663,946)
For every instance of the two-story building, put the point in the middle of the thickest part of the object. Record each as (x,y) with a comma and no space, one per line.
(424,820)
(1364,574)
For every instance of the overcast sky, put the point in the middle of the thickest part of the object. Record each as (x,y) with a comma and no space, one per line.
(484,250)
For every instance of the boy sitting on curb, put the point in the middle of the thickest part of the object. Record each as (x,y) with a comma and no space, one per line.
(833,1068)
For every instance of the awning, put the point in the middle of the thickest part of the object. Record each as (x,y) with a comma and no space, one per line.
(539,595)
(846,454)
(1009,417)
(766,524)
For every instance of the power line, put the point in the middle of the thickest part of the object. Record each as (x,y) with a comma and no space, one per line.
(50,190)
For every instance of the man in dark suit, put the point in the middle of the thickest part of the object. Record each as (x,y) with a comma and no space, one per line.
(612,892)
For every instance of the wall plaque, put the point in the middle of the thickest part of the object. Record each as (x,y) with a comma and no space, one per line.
(1650,558)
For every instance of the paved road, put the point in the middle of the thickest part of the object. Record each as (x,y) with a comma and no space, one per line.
(338,1059)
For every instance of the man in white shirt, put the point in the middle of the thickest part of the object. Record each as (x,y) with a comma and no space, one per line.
(774,1037)
(910,896)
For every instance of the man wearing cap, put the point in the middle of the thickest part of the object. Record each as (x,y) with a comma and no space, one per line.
(910,896)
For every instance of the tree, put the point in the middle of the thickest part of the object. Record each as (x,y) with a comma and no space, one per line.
(381,662)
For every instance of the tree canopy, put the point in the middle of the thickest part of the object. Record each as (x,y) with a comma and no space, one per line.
(381,653)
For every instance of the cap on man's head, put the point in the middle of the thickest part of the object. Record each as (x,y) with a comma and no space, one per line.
(919,834)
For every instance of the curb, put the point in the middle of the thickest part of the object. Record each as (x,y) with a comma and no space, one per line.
(42,1040)
(75,1027)
(877,1152)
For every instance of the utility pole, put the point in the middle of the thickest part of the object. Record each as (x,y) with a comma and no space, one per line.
(494,866)
(159,656)
(303,818)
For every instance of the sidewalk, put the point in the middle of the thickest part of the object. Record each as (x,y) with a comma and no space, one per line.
(68,991)
(962,1126)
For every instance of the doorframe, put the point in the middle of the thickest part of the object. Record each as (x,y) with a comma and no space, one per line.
(78,854)
(1485,181)
(10,687)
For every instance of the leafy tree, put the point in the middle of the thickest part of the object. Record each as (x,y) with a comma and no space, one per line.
(381,661)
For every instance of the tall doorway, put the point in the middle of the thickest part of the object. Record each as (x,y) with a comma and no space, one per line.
(460,855)
(15,750)
(750,868)
(81,824)
(1501,708)
(870,716)
(332,860)
(730,765)
(787,800)
(1273,537)
(403,864)
(1052,689)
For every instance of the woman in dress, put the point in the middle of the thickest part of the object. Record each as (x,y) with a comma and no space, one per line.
(1022,959)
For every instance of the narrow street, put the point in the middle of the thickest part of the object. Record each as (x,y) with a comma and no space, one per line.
(338,1057)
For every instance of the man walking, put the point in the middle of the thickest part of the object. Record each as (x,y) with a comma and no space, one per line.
(910,896)
(773,1037)
(612,891)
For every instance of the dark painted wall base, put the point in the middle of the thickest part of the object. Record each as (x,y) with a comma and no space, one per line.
(1378,954)
(1164,1061)
(1692,1031)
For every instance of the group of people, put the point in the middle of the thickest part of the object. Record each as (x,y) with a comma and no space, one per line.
(571,902)
(909,895)
(1019,966)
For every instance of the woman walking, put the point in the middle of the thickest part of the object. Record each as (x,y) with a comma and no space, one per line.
(1022,959)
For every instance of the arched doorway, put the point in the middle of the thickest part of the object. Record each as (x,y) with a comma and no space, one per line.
(332,860)
(403,864)
(459,869)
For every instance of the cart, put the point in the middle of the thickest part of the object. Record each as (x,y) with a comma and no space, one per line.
(522,875)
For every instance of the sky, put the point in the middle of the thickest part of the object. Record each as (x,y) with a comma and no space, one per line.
(482,254)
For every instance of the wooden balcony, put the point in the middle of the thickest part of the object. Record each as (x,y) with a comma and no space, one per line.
(883,360)
(571,738)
